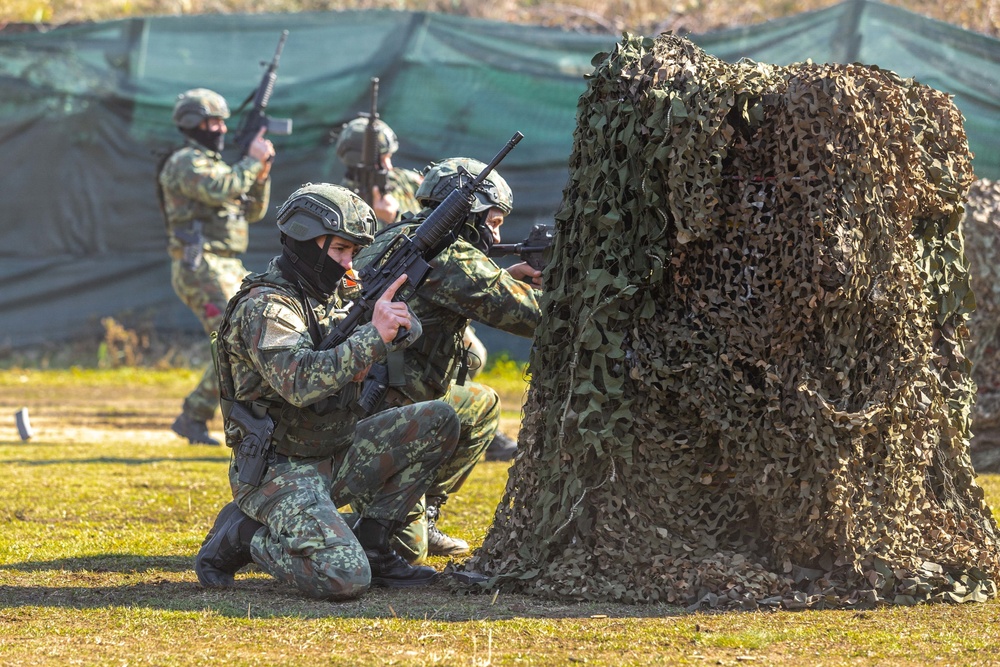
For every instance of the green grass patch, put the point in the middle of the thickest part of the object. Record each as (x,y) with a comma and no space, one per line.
(104,510)
(508,377)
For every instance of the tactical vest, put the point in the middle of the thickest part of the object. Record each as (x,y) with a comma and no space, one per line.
(314,431)
(438,354)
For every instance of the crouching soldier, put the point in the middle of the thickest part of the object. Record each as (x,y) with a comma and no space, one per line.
(300,452)
(464,284)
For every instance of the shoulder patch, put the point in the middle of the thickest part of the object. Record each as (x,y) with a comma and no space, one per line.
(283,327)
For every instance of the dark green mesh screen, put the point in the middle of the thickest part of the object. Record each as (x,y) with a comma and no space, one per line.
(83,111)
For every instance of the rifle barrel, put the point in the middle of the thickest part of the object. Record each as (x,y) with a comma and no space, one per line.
(499,157)
(281,45)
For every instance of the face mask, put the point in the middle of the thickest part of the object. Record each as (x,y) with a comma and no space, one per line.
(477,232)
(311,263)
(213,141)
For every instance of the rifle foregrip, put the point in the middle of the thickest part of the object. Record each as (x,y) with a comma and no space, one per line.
(444,219)
(502,250)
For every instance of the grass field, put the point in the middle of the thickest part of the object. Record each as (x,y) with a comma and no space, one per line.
(104,509)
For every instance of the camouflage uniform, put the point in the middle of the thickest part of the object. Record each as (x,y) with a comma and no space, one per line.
(325,458)
(197,186)
(463,285)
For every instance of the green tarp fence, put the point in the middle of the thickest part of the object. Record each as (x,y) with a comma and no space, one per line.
(85,109)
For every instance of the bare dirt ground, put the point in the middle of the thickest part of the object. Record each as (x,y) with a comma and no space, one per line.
(141,412)
(86,414)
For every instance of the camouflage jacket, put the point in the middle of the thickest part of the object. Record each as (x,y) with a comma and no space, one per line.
(401,184)
(267,354)
(464,284)
(197,185)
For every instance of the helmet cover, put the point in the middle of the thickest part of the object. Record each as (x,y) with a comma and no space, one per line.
(351,140)
(195,105)
(318,209)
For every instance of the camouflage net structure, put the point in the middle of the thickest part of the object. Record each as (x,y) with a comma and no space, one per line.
(981,228)
(749,386)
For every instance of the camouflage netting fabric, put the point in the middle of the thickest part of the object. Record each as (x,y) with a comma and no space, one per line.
(982,246)
(749,385)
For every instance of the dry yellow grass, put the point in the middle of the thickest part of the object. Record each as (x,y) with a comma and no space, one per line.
(642,16)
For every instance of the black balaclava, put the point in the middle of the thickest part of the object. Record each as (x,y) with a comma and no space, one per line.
(312,265)
(211,140)
(477,232)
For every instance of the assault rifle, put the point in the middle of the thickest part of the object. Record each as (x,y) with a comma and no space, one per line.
(535,250)
(370,173)
(256,118)
(410,256)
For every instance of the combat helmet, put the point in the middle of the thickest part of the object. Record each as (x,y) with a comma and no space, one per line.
(352,137)
(442,178)
(318,209)
(197,104)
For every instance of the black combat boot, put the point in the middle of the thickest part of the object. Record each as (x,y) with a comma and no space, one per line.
(226,547)
(501,448)
(195,431)
(389,569)
(438,542)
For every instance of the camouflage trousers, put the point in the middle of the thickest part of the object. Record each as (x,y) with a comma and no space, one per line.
(478,410)
(206,291)
(308,544)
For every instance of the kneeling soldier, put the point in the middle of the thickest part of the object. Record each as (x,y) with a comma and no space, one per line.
(300,451)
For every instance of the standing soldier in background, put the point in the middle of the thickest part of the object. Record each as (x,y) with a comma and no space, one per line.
(207,205)
(398,200)
(401,184)
(464,284)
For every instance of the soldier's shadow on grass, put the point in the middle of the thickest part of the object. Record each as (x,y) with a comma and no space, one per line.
(110,581)
(107,563)
(154,594)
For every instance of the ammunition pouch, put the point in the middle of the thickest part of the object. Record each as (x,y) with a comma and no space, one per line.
(345,399)
(443,355)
